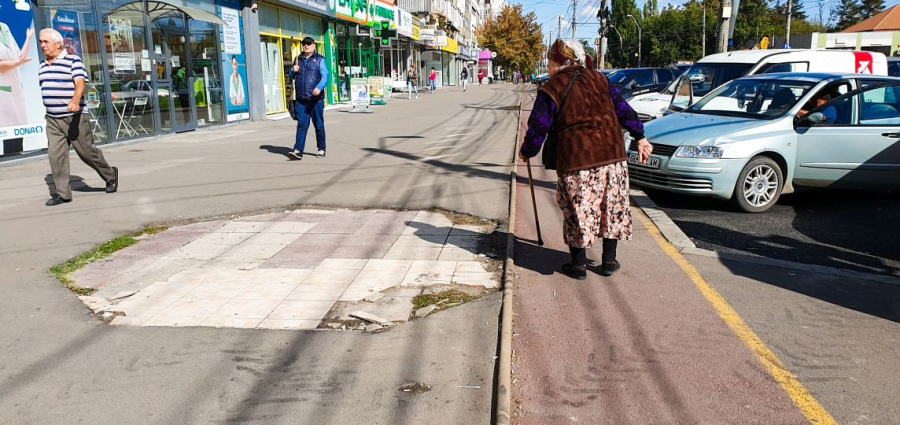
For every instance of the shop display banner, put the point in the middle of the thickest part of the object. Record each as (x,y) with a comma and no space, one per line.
(122,44)
(231,33)
(234,63)
(22,126)
(66,22)
(376,90)
(359,92)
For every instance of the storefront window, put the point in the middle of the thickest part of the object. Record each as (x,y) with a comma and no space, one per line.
(273,73)
(207,80)
(77,23)
(129,67)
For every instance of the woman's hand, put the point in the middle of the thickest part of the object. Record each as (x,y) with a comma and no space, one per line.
(522,157)
(644,149)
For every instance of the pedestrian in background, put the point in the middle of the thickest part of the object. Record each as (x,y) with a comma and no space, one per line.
(63,79)
(593,189)
(464,76)
(432,78)
(310,76)
(411,78)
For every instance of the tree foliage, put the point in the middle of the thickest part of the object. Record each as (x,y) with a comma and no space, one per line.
(517,39)
(846,15)
(870,8)
(676,33)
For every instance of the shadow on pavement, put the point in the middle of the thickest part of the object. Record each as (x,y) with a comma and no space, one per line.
(284,151)
(76,183)
(843,229)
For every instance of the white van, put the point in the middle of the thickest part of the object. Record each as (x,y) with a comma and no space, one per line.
(714,70)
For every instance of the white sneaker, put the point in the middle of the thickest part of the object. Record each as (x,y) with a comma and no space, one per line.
(321,153)
(297,154)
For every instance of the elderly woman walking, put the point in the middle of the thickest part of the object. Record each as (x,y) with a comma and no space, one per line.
(584,112)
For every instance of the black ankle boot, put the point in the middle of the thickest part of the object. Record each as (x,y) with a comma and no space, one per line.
(609,269)
(575,272)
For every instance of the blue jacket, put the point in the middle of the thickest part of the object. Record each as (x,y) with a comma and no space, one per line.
(313,75)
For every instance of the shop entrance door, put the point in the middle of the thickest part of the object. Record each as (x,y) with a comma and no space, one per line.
(174,80)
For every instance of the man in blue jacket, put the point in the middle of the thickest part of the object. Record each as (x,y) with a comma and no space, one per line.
(310,76)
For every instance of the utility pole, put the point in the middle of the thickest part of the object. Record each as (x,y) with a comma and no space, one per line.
(559,27)
(787,38)
(725,19)
(704,27)
(603,17)
(574,11)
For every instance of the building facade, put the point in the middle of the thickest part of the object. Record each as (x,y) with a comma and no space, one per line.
(165,66)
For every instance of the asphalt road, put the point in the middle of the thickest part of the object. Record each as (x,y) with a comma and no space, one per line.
(844,229)
(58,364)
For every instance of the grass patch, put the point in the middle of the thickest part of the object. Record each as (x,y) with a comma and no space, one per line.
(64,271)
(441,299)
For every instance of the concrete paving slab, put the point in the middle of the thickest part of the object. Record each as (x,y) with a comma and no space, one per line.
(331,276)
(246,309)
(243,227)
(192,307)
(317,292)
(400,266)
(220,322)
(273,238)
(315,239)
(360,252)
(173,321)
(199,250)
(266,291)
(301,310)
(472,229)
(222,238)
(418,253)
(252,252)
(425,273)
(289,227)
(428,241)
(465,241)
(343,264)
(455,253)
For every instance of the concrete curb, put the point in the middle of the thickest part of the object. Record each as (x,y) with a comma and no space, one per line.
(673,233)
(503,412)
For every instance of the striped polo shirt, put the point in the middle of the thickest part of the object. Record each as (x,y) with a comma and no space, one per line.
(58,83)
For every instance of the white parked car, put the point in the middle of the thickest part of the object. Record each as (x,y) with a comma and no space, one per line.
(714,70)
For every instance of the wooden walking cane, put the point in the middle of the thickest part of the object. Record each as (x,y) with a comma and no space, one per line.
(537,223)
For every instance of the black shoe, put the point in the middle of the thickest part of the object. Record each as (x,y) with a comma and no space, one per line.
(56,200)
(113,185)
(609,269)
(575,272)
(296,154)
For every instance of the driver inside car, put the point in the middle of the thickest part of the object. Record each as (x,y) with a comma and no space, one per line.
(817,101)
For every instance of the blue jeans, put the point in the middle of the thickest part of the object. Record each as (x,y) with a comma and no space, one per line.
(310,109)
(433,86)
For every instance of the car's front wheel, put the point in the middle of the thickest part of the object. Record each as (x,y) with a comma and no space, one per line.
(759,185)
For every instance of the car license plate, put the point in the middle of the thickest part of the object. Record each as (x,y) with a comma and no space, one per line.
(652,162)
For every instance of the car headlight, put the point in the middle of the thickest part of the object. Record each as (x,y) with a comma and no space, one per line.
(708,152)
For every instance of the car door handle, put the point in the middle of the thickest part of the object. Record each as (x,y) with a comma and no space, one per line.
(891,135)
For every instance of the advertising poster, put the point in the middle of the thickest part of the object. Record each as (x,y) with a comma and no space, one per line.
(376,90)
(122,44)
(237,102)
(359,91)
(66,22)
(22,112)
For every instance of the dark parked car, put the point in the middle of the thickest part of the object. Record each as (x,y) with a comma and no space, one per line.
(894,67)
(635,81)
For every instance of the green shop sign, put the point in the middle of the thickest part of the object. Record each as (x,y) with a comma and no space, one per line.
(354,10)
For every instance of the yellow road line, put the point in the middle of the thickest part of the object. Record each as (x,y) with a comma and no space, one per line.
(800,396)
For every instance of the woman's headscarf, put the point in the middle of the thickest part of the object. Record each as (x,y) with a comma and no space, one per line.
(566,52)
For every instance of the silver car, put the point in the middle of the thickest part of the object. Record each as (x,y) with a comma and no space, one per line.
(757,137)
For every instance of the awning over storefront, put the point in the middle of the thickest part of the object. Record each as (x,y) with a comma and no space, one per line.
(486,54)
(159,9)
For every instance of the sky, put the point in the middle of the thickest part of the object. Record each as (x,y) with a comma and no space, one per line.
(549,10)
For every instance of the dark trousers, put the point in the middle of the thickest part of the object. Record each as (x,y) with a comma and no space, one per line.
(310,110)
(74,131)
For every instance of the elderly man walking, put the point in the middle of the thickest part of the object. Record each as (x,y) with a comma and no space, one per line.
(63,79)
(310,76)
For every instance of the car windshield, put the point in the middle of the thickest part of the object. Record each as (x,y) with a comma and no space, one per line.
(617,77)
(707,76)
(753,98)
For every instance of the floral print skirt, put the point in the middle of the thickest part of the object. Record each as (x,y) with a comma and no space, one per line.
(595,205)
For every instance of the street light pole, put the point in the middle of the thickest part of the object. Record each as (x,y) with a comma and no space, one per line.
(639,37)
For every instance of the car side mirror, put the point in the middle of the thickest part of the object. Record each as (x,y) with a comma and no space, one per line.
(816,118)
(810,120)
(682,96)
